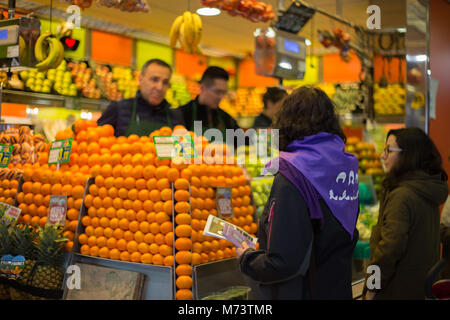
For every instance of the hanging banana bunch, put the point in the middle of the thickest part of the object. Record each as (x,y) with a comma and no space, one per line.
(187,29)
(49,52)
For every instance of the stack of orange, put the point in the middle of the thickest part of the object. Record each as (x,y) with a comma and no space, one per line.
(8,191)
(39,184)
(183,232)
(130,203)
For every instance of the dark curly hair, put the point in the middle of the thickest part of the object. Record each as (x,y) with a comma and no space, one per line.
(419,153)
(305,112)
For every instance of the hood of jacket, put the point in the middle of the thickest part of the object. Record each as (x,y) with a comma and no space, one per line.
(430,187)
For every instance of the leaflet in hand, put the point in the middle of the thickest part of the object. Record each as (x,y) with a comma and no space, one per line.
(216,227)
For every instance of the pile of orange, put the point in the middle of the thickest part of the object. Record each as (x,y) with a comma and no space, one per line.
(8,191)
(130,204)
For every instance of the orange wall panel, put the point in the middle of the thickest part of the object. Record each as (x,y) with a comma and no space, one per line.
(111,48)
(391,69)
(248,77)
(337,70)
(190,65)
(14,110)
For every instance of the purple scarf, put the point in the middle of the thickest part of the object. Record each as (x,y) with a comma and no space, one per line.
(319,168)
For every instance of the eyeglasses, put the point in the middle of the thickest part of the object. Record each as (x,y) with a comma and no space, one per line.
(218,92)
(388,150)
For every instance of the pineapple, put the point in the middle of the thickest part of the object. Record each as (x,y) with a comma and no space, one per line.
(49,254)
(23,239)
(6,247)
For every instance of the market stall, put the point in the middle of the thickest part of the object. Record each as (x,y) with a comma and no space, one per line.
(142,215)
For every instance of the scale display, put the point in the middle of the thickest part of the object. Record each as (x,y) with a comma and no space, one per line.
(3,34)
(291,46)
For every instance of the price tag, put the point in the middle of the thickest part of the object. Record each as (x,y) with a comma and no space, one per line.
(9,213)
(224,204)
(57,210)
(60,151)
(5,154)
(168,147)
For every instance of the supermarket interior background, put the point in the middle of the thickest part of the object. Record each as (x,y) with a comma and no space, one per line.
(143,216)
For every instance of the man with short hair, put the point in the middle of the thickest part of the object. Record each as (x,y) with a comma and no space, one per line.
(205,107)
(149,110)
(272,99)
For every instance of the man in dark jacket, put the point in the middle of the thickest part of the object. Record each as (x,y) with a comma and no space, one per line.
(149,110)
(445,238)
(272,99)
(205,107)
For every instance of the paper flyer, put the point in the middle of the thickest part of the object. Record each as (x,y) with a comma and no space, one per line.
(216,227)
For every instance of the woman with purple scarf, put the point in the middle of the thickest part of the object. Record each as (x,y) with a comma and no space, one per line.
(307,231)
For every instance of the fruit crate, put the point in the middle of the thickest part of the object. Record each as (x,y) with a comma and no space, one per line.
(158,281)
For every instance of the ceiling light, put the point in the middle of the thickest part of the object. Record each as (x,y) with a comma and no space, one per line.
(307,42)
(208,11)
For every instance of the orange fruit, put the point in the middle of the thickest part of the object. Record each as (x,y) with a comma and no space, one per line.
(183,231)
(99,181)
(183,244)
(113,192)
(183,270)
(155,195)
(94,251)
(151,217)
(184,282)
(165,250)
(158,206)
(108,232)
(149,238)
(103,252)
(138,171)
(98,232)
(136,159)
(168,239)
(166,194)
(132,246)
(123,224)
(121,244)
(146,258)
(152,184)
(159,239)
(102,192)
(143,195)
(124,256)
(153,248)
(130,183)
(117,203)
(133,226)
(167,207)
(182,207)
(118,182)
(149,172)
(107,202)
(123,193)
(142,247)
(181,195)
(158,259)
(84,249)
(147,205)
(163,184)
(137,205)
(196,258)
(109,182)
(106,170)
(154,228)
(101,212)
(133,194)
(114,254)
(130,215)
(141,184)
(183,257)
(118,234)
(72,214)
(181,184)
(35,221)
(111,243)
(78,192)
(184,294)
(141,215)
(161,172)
(183,218)
(89,230)
(166,227)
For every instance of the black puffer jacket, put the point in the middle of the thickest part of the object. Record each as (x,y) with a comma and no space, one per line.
(281,268)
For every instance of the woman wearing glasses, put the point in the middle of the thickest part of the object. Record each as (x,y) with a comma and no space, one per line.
(405,242)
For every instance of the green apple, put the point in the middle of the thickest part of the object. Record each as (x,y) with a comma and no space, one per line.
(65,92)
(38,82)
(30,82)
(24,75)
(37,88)
(46,89)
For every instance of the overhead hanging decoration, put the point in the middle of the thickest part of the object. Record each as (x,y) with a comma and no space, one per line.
(187,29)
(125,5)
(255,11)
(338,39)
(83,4)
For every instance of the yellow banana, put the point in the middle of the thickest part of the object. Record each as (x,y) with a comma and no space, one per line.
(197,22)
(53,54)
(60,49)
(182,38)
(23,50)
(188,28)
(175,31)
(39,49)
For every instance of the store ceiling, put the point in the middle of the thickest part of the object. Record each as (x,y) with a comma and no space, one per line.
(224,34)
